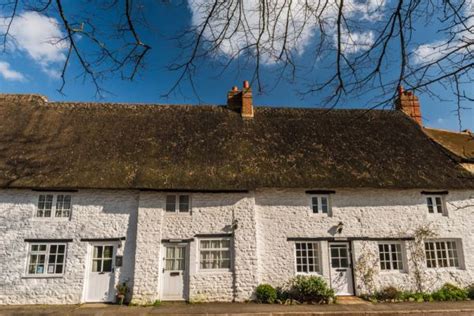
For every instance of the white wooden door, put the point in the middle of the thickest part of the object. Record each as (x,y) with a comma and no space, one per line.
(174,272)
(101,276)
(341,269)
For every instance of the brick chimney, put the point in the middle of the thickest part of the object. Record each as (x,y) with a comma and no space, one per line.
(241,101)
(408,103)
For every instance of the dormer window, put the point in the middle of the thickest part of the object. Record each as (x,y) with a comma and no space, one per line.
(50,205)
(435,204)
(178,203)
(320,204)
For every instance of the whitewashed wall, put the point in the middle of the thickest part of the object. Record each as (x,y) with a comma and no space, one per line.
(365,213)
(266,218)
(95,214)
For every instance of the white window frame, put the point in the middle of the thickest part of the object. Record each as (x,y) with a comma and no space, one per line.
(449,254)
(54,205)
(46,254)
(319,198)
(434,204)
(319,259)
(177,203)
(230,249)
(402,258)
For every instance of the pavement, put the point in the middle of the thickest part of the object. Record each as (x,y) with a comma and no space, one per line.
(464,308)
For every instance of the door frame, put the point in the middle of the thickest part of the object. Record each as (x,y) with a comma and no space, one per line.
(88,266)
(186,275)
(351,266)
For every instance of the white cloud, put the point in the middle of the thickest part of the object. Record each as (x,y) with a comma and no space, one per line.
(355,42)
(434,51)
(298,32)
(38,36)
(9,74)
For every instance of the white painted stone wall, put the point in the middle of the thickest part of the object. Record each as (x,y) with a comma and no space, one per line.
(365,213)
(265,219)
(95,214)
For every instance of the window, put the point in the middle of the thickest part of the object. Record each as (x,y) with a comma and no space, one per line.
(214,253)
(47,207)
(442,254)
(320,204)
(46,259)
(435,204)
(63,205)
(175,257)
(45,204)
(390,255)
(182,201)
(307,257)
(102,258)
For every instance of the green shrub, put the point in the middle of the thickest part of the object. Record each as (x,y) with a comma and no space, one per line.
(311,289)
(389,293)
(282,295)
(266,294)
(470,291)
(450,292)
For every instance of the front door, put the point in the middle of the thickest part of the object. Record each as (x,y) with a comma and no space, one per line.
(341,269)
(101,276)
(174,272)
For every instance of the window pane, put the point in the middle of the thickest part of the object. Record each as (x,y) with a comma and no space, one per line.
(184,203)
(107,265)
(171,203)
(315,204)
(108,251)
(439,205)
(324,204)
(430,204)
(96,265)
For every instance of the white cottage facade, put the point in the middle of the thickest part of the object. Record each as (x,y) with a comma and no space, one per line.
(66,244)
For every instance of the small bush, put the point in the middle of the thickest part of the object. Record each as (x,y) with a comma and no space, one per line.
(266,294)
(470,291)
(389,293)
(282,295)
(156,303)
(450,292)
(311,289)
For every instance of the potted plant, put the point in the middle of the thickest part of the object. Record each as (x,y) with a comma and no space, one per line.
(122,290)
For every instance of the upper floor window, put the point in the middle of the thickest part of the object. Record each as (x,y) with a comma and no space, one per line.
(50,205)
(442,254)
(390,255)
(214,253)
(46,258)
(307,257)
(178,203)
(435,204)
(320,204)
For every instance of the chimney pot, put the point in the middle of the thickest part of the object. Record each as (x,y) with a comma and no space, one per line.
(246,84)
(234,88)
(400,90)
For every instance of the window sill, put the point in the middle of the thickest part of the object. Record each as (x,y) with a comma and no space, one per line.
(52,219)
(207,271)
(43,276)
(309,273)
(393,272)
(185,214)
(445,269)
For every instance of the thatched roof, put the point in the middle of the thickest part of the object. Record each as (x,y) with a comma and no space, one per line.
(460,144)
(132,146)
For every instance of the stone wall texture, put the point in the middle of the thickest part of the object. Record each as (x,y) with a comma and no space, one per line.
(260,222)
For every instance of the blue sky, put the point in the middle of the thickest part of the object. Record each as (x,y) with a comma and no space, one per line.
(34,69)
